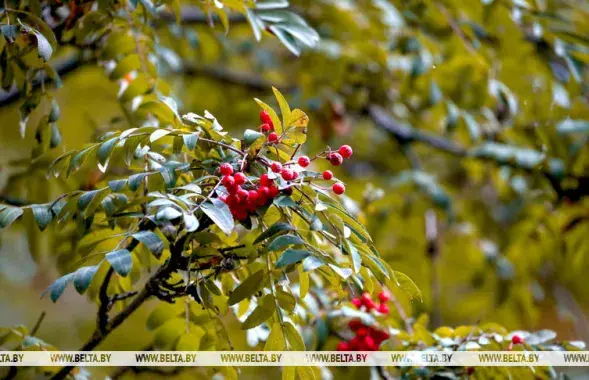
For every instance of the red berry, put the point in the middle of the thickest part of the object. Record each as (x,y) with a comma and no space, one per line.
(276,167)
(383,308)
(226,169)
(287,191)
(327,175)
(228,181)
(369,305)
(241,215)
(357,302)
(384,296)
(516,339)
(240,178)
(338,188)
(232,200)
(370,344)
(265,180)
(355,324)
(295,175)
(272,138)
(343,346)
(223,198)
(266,119)
(304,161)
(265,128)
(287,174)
(243,195)
(366,297)
(273,191)
(336,159)
(362,331)
(252,195)
(263,191)
(346,151)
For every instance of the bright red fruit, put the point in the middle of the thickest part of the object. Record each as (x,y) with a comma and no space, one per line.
(338,188)
(516,339)
(287,174)
(266,119)
(265,128)
(336,159)
(346,151)
(304,161)
(383,308)
(272,138)
(252,195)
(243,195)
(295,175)
(265,180)
(327,175)
(273,191)
(240,178)
(355,324)
(228,181)
(357,302)
(226,169)
(343,346)
(276,167)
(384,296)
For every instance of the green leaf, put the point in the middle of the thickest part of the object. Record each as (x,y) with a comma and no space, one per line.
(247,288)
(294,338)
(190,140)
(407,285)
(121,261)
(355,258)
(44,48)
(286,300)
(250,136)
(42,215)
(83,277)
(274,229)
(151,241)
(284,241)
(105,149)
(190,222)
(117,184)
(136,180)
(8,215)
(275,341)
(219,213)
(261,313)
(572,126)
(56,289)
(292,256)
(312,263)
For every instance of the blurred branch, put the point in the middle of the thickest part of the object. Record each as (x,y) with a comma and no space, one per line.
(194,15)
(406,135)
(62,66)
(38,323)
(245,79)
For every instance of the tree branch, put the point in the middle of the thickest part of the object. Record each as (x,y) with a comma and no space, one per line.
(406,135)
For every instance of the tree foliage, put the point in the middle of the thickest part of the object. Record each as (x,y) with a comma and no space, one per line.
(472,116)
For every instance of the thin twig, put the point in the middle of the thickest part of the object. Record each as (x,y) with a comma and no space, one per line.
(38,323)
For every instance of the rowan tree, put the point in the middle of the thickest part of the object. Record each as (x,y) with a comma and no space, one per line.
(444,176)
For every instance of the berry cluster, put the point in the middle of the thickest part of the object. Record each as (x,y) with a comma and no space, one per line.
(336,159)
(268,127)
(368,338)
(368,303)
(241,201)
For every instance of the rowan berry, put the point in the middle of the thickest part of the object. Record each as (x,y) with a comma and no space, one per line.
(226,169)
(338,188)
(346,151)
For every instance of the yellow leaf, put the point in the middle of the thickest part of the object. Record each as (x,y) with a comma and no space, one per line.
(288,373)
(298,119)
(284,108)
(275,341)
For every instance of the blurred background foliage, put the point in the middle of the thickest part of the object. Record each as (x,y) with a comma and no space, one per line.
(469,121)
